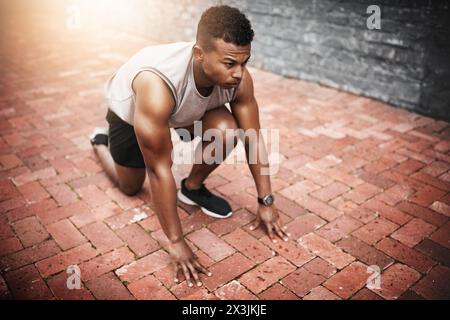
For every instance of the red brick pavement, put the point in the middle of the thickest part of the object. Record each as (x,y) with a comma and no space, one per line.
(360,183)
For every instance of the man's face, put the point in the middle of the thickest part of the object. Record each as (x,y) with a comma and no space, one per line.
(225,63)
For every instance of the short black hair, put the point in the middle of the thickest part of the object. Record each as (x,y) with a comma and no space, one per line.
(226,23)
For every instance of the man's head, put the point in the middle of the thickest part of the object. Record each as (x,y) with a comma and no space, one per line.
(224,37)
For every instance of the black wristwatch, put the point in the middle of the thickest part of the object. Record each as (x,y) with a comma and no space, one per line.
(266,200)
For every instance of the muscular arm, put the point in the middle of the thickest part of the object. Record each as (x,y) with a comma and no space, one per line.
(154,103)
(245,111)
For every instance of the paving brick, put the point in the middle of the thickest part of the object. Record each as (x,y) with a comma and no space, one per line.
(226,270)
(314,175)
(434,251)
(406,255)
(89,216)
(330,192)
(441,207)
(318,207)
(144,266)
(209,243)
(375,230)
(30,231)
(442,235)
(321,293)
(63,260)
(60,213)
(5,293)
(28,210)
(300,188)
(393,195)
(10,245)
(278,292)
(124,201)
(149,288)
(194,221)
(409,166)
(238,219)
(65,234)
(248,245)
(234,291)
(138,240)
(366,294)
(59,288)
(27,284)
(436,168)
(362,193)
(301,281)
(289,207)
(266,274)
(108,287)
(435,285)
(348,281)
(33,192)
(425,214)
(62,194)
(320,267)
(29,255)
(339,228)
(364,252)
(105,263)
(92,196)
(101,236)
(388,212)
(395,281)
(290,250)
(303,225)
(426,196)
(413,232)
(326,250)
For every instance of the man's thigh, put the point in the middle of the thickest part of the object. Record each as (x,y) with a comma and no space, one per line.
(218,118)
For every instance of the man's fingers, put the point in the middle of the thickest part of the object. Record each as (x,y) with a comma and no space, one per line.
(194,274)
(281,233)
(200,268)
(270,232)
(186,274)
(178,272)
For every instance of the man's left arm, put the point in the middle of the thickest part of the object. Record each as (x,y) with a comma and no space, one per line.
(245,110)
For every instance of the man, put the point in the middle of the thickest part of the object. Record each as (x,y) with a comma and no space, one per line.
(171,86)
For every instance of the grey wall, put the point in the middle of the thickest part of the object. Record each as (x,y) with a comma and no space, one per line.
(406,63)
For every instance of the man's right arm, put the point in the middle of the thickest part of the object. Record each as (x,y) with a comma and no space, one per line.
(154,104)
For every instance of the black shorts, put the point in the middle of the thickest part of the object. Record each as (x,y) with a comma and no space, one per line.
(123,144)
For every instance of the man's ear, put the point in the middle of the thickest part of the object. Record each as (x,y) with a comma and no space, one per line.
(198,53)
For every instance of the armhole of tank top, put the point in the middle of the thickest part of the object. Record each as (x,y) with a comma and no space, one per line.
(165,79)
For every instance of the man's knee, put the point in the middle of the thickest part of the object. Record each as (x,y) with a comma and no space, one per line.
(228,129)
(129,189)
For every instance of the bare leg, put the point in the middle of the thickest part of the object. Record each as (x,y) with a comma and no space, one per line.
(129,180)
(221,119)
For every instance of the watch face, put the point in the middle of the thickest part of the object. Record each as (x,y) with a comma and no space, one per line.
(269,200)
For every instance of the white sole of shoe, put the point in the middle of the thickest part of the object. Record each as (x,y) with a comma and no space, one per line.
(97,131)
(188,201)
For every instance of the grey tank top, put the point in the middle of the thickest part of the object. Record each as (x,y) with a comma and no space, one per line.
(173,63)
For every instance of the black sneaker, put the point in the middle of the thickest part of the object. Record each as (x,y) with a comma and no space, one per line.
(209,203)
(99,136)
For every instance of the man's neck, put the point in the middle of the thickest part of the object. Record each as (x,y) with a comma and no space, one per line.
(204,86)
